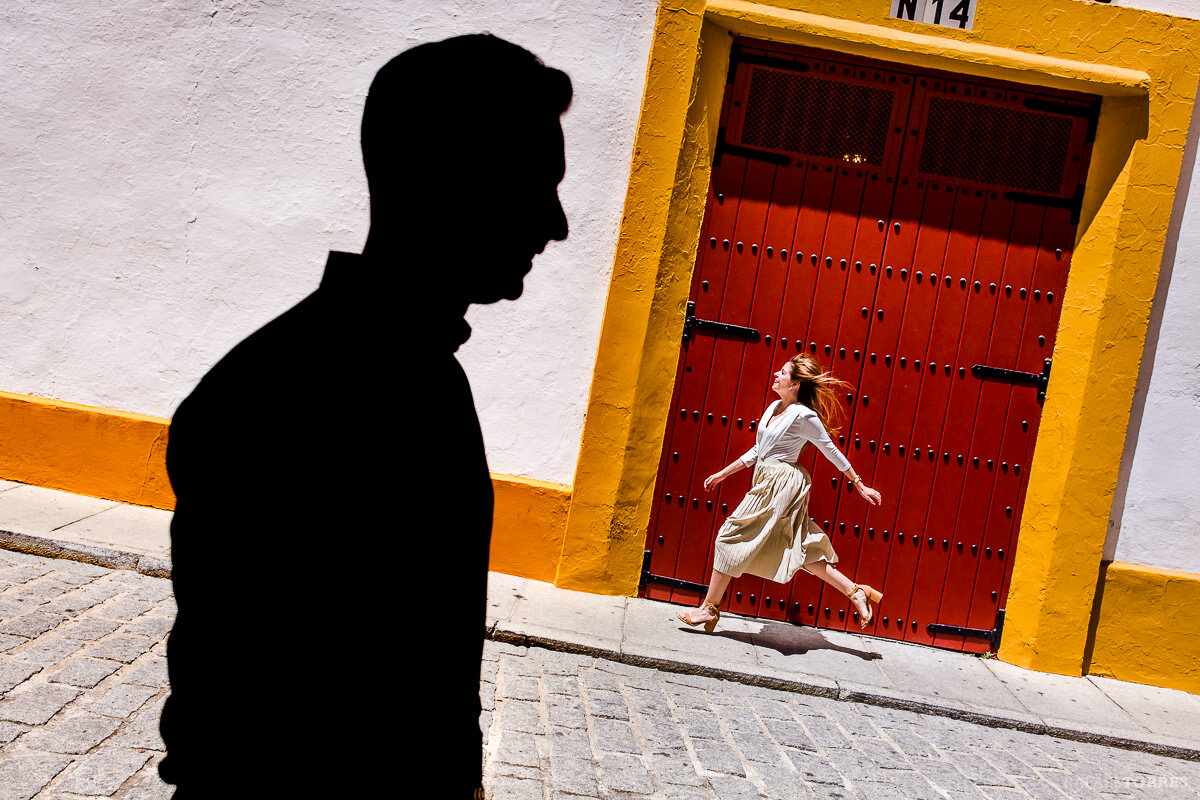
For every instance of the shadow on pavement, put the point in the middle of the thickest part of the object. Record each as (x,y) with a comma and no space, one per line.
(789,640)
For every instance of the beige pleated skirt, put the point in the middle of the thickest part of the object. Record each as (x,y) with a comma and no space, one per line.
(770,533)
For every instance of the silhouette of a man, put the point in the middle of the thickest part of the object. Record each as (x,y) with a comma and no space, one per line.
(334,509)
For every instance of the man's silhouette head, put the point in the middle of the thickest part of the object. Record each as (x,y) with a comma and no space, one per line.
(464,152)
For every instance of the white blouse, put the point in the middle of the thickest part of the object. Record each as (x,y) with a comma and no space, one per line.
(786,436)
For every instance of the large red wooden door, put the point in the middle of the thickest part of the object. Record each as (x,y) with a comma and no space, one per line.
(911,230)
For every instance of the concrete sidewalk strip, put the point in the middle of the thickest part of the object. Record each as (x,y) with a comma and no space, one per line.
(823,662)
(652,632)
(32,509)
(1163,712)
(140,529)
(807,653)
(503,591)
(543,612)
(964,683)
(55,524)
(1066,703)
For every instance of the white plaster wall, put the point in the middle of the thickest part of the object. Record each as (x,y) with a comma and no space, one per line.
(1178,8)
(1156,511)
(173,173)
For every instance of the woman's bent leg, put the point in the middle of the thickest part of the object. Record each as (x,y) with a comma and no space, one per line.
(861,598)
(707,609)
(717,585)
(829,573)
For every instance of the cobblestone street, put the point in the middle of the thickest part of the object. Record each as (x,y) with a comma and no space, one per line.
(564,725)
(83,678)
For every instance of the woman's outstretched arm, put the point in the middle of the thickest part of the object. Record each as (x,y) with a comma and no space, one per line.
(865,492)
(711,481)
(816,433)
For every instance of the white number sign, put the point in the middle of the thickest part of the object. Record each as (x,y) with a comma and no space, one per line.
(947,13)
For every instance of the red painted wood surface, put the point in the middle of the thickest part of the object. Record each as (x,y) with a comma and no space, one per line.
(896,254)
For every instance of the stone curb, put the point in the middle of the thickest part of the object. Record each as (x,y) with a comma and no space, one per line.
(89,554)
(496,633)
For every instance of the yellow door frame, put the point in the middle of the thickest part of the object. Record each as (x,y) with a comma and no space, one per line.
(1144,66)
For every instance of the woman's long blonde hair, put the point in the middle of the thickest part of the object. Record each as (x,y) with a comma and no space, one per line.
(819,391)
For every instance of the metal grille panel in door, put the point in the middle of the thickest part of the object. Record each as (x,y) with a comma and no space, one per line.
(957,131)
(897,281)
(815,116)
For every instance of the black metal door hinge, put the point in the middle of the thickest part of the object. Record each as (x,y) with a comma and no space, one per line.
(690,323)
(993,635)
(984,372)
(674,583)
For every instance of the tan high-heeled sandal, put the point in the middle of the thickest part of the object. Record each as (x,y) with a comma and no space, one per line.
(870,595)
(708,624)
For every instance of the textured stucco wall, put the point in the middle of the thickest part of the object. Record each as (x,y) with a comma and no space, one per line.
(1156,511)
(174,174)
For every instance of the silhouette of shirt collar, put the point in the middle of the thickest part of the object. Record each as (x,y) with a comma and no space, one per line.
(352,280)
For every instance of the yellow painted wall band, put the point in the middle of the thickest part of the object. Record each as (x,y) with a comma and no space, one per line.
(1146,627)
(528,526)
(86,450)
(121,456)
